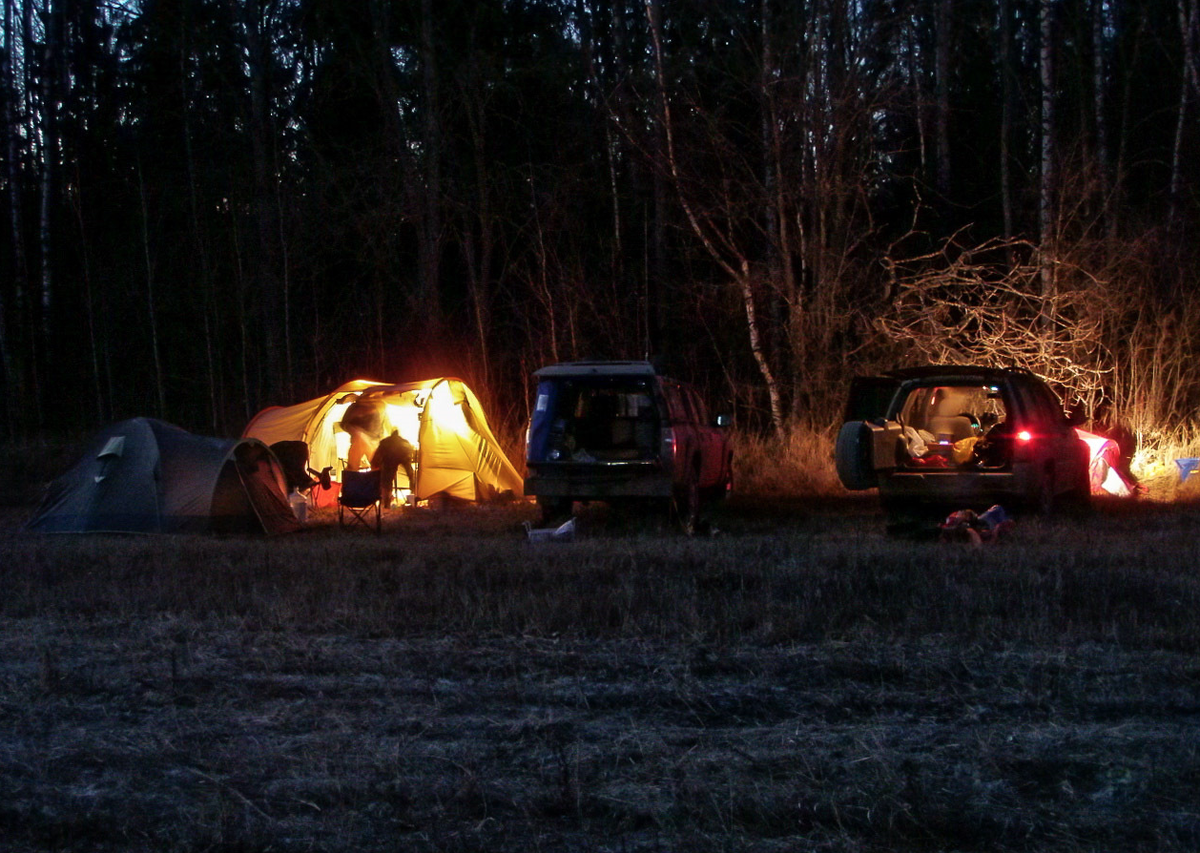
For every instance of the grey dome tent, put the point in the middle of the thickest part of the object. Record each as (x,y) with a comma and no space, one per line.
(147,476)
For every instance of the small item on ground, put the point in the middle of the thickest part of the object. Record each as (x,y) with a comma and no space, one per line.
(299,506)
(565,532)
(966,525)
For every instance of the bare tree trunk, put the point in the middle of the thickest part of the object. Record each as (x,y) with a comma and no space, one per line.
(272,270)
(1006,107)
(914,78)
(479,256)
(583,18)
(1187,25)
(1100,108)
(200,245)
(90,302)
(541,276)
(656,280)
(479,250)
(780,266)
(1126,117)
(746,283)
(1177,156)
(49,155)
(243,322)
(430,246)
(1046,221)
(942,20)
(13,381)
(160,396)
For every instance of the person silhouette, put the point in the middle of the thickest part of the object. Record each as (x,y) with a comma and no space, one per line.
(364,422)
(392,454)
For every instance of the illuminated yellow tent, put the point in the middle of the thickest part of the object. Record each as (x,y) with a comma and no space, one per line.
(455,451)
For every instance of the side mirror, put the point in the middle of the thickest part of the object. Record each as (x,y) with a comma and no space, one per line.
(724,421)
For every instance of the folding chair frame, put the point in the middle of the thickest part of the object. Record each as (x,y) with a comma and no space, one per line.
(350,512)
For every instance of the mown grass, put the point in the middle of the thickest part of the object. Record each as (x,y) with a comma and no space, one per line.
(830,576)
(795,681)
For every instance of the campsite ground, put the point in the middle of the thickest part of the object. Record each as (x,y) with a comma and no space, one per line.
(795,681)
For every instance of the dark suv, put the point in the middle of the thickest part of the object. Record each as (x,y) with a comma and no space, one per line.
(616,430)
(960,438)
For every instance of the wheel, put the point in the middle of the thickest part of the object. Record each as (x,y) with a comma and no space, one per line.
(686,503)
(553,509)
(1045,502)
(1077,503)
(718,493)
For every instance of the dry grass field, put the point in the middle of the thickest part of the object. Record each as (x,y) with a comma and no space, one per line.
(794,681)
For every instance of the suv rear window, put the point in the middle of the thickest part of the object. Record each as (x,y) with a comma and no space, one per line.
(594,419)
(949,420)
(928,408)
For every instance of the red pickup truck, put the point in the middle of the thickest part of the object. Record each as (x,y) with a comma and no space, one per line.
(617,430)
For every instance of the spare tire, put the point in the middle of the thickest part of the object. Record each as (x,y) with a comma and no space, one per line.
(854,456)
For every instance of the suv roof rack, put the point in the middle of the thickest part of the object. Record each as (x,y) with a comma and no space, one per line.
(954,370)
(598,368)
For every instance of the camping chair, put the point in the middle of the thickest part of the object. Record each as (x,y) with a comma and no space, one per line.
(293,459)
(358,497)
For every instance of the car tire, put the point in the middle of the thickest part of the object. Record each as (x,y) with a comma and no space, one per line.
(1078,501)
(686,504)
(717,494)
(553,510)
(1045,502)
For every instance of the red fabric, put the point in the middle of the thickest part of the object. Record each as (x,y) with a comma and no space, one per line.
(326,497)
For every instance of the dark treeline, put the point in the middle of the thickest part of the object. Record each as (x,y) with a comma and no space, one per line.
(215,205)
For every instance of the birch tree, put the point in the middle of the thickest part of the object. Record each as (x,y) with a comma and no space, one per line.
(720,245)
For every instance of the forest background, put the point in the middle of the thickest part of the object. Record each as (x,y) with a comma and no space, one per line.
(216,205)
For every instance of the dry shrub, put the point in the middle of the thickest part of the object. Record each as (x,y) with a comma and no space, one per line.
(988,304)
(798,461)
(1154,463)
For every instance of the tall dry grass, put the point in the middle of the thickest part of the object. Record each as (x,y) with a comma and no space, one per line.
(797,462)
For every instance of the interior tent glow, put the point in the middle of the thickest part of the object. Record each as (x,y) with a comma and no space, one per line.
(455,452)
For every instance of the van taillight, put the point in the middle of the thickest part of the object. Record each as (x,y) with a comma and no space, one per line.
(1024,436)
(668,444)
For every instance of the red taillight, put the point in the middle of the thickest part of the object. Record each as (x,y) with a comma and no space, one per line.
(1024,435)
